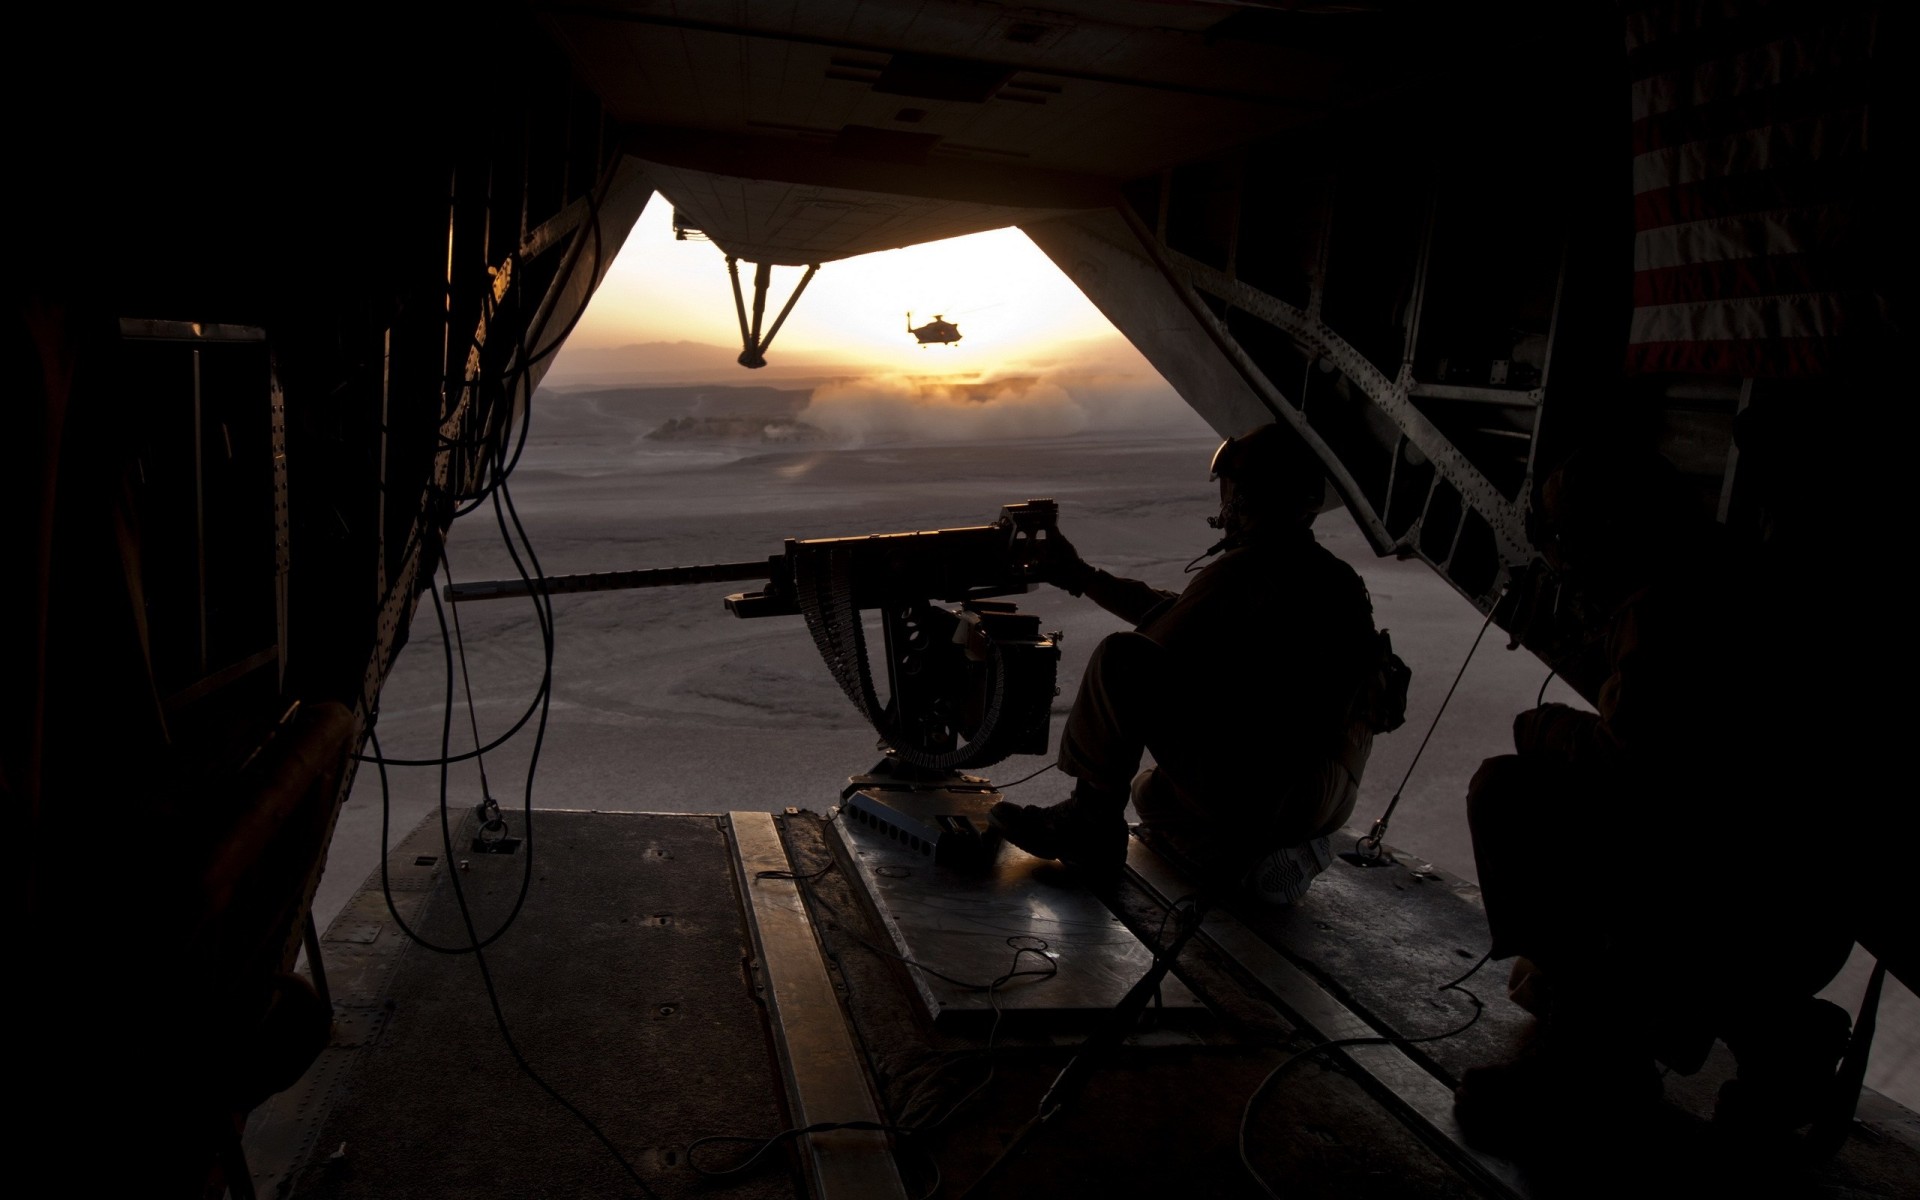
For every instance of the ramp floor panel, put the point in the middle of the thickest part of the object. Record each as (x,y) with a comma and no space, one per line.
(1160,1113)
(628,981)
(965,921)
(624,981)
(1386,939)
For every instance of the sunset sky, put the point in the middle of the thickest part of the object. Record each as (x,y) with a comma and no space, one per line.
(1008,298)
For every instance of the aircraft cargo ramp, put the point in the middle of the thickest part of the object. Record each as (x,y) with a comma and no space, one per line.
(676,977)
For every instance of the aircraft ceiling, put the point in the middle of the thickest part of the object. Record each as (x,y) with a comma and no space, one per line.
(804,132)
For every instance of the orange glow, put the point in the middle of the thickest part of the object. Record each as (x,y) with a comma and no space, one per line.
(1011,303)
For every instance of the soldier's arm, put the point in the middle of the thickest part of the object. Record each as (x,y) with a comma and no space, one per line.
(1642,719)
(1129,599)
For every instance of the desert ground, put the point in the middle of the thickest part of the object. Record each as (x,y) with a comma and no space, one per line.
(662,701)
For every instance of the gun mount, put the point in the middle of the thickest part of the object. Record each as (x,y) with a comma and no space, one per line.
(966,686)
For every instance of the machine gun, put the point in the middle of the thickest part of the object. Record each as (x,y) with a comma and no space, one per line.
(966,686)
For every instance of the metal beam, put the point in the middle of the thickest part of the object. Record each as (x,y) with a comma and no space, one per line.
(1224,383)
(826,1081)
(1391,396)
(1277,405)
(188,331)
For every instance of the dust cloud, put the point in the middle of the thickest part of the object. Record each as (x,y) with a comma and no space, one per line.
(1018,404)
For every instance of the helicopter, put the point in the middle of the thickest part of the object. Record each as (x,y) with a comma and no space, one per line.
(937,330)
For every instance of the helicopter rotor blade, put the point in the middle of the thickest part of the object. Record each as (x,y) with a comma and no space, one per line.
(976,308)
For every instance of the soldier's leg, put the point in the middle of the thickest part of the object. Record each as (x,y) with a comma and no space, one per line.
(1787,1048)
(1760,969)
(1521,813)
(1590,1070)
(1255,833)
(1220,799)
(1126,699)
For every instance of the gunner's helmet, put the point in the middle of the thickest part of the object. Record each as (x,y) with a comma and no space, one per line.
(1273,470)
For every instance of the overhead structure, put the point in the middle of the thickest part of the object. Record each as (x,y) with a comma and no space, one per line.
(1332,216)
(753,345)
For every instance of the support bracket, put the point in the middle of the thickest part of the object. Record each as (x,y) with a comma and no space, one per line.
(753,347)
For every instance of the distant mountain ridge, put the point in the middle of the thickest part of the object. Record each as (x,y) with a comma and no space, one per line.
(686,362)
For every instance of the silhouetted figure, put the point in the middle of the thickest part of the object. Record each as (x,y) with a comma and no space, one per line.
(1633,857)
(1243,687)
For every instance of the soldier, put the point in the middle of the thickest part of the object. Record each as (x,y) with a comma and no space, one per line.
(1244,687)
(1688,767)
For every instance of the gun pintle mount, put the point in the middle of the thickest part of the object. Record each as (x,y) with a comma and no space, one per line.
(966,686)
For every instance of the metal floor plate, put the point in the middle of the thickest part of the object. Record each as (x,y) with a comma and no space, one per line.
(967,924)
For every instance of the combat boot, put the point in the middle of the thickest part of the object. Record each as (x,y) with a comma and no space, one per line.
(1788,1055)
(1586,1078)
(1283,875)
(1087,830)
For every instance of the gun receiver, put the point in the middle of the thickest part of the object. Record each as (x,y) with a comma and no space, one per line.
(966,687)
(972,562)
(955,565)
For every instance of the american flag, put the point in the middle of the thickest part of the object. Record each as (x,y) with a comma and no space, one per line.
(1752,155)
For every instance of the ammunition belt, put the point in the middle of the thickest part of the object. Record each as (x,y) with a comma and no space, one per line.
(823,585)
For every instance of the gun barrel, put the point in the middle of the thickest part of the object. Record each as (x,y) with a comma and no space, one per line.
(610,581)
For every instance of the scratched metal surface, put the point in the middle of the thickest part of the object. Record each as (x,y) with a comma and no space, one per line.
(965,924)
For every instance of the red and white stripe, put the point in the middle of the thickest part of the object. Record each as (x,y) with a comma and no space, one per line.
(1752,144)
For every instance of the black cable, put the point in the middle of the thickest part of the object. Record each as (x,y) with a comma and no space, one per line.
(496,465)
(1001,787)
(519,376)
(1072,1077)
(473,936)
(1542,697)
(1439,712)
(842,925)
(1246,1113)
(764,1144)
(386,886)
(993,1031)
(1380,826)
(811,875)
(532,710)
(543,616)
(1160,932)
(992,988)
(492,443)
(466,682)
(813,899)
(1193,564)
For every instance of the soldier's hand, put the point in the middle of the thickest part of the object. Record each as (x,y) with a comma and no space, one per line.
(1532,728)
(1062,566)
